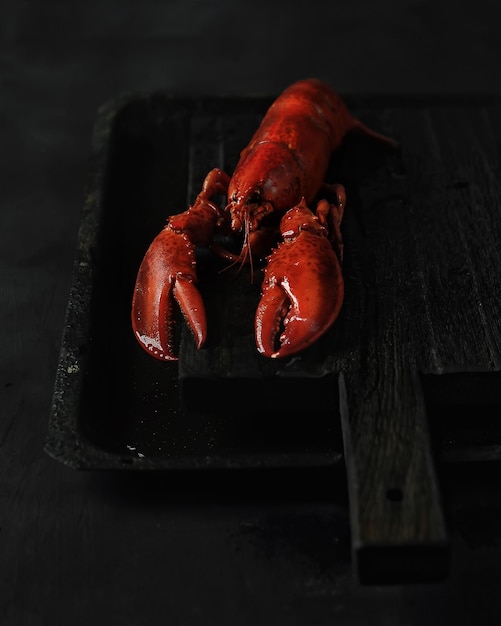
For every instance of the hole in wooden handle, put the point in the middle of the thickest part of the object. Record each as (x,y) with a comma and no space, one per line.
(395,494)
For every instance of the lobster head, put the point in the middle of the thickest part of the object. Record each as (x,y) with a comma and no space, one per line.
(247,208)
(264,182)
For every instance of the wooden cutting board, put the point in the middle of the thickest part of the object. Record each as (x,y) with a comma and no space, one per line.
(418,342)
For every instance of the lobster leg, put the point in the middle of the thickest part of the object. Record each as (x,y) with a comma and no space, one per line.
(168,273)
(303,287)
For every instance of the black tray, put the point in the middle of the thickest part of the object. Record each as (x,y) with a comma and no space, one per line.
(115,407)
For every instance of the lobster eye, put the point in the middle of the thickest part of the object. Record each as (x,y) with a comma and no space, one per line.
(255,196)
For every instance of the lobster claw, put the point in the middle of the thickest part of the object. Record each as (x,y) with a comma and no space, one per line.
(303,289)
(167,274)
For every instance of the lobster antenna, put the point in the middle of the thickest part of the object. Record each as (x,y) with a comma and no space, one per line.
(247,247)
(245,253)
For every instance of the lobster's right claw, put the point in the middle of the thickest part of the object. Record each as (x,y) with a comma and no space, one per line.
(299,304)
(167,274)
(303,288)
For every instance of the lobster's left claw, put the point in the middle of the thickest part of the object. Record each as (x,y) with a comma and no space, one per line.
(302,290)
(167,274)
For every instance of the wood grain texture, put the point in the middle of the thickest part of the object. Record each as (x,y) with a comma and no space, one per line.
(431,223)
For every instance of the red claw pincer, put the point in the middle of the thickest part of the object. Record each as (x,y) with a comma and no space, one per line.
(167,274)
(303,289)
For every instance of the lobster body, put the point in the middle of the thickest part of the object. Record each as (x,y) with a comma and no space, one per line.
(278,176)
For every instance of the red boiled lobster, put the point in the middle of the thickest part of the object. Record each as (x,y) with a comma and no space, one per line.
(279,176)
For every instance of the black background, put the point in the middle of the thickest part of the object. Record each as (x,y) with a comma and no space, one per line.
(93,548)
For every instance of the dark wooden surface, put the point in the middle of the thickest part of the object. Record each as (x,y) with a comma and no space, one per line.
(420,264)
(118,547)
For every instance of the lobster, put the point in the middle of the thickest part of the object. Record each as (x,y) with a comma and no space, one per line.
(278,177)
